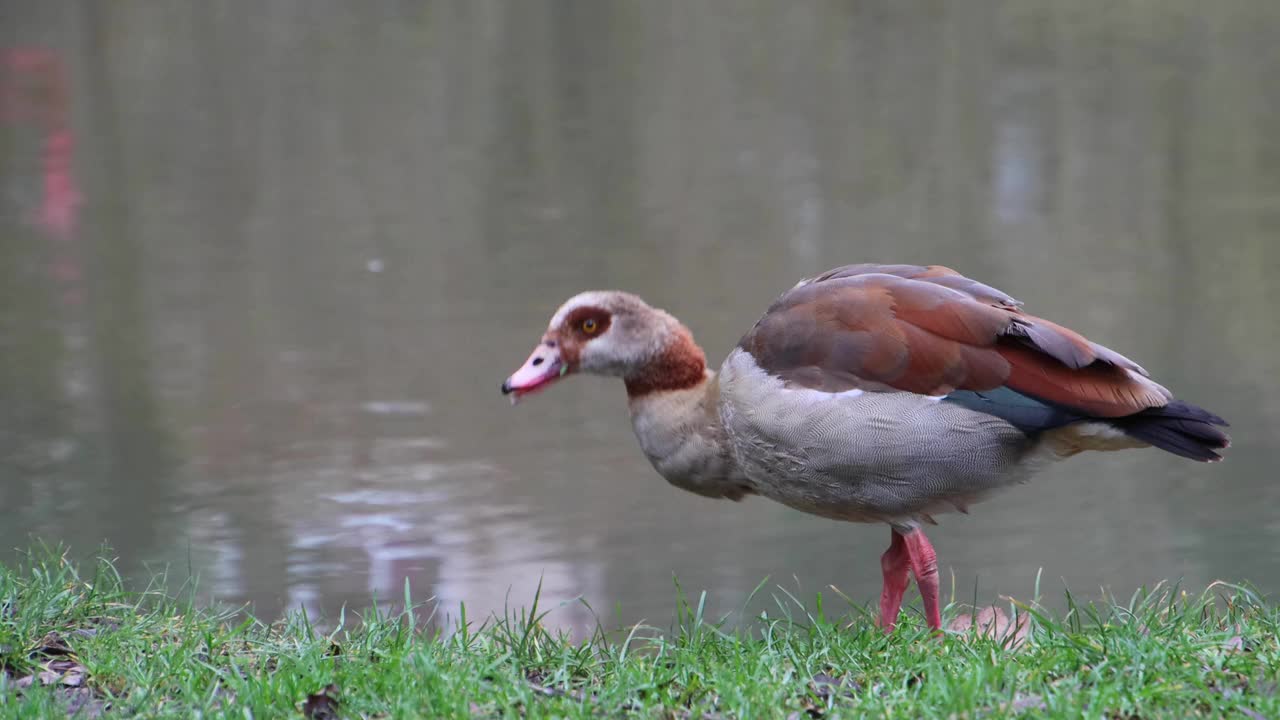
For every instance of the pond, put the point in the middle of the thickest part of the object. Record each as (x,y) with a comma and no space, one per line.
(264,265)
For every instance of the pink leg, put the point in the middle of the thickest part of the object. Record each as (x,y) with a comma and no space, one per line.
(895,564)
(924,565)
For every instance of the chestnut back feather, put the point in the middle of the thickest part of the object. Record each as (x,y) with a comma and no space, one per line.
(930,330)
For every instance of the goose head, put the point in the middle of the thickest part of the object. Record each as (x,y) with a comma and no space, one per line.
(601,332)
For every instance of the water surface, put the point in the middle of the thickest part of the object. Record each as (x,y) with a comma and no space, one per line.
(315,236)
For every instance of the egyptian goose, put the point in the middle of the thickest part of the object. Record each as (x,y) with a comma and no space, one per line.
(870,393)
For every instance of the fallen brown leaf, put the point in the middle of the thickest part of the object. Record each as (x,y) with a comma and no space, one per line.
(1026,702)
(223,698)
(68,673)
(62,672)
(105,623)
(1237,643)
(83,703)
(683,714)
(536,680)
(322,705)
(51,644)
(825,686)
(67,678)
(1020,704)
(993,622)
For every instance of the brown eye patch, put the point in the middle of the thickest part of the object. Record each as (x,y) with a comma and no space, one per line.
(587,322)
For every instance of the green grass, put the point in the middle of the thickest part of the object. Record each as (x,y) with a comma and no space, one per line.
(145,654)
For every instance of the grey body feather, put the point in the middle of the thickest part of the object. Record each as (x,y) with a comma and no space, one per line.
(859,456)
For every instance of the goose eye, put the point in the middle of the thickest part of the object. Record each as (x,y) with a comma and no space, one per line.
(589,326)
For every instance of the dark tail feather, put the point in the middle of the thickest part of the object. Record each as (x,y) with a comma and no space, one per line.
(1180,428)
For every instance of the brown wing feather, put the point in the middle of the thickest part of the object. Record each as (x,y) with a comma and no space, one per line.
(1100,389)
(930,330)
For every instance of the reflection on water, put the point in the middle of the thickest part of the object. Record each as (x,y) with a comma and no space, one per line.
(315,236)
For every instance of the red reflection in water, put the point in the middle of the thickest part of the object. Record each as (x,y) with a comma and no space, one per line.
(33,89)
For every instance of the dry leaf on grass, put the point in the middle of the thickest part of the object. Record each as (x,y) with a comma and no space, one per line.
(67,673)
(52,644)
(823,690)
(826,686)
(993,622)
(322,705)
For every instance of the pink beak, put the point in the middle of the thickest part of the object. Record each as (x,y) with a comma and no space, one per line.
(543,367)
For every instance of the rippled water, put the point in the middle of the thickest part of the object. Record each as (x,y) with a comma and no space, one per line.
(312,238)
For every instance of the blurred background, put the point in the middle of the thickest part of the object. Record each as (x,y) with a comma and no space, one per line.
(263,266)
